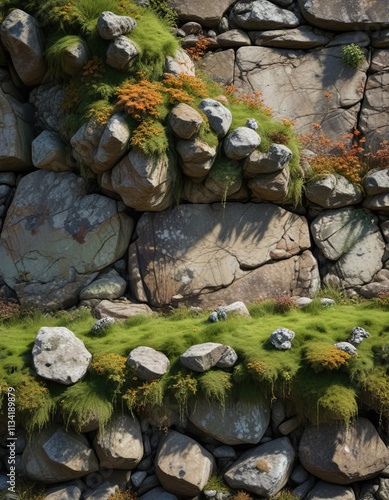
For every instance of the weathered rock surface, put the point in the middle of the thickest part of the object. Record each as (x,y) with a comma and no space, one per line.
(303,37)
(57,455)
(185,121)
(180,63)
(113,144)
(208,14)
(197,157)
(237,423)
(346,16)
(121,52)
(240,143)
(50,212)
(263,470)
(182,465)
(147,363)
(119,445)
(261,15)
(59,355)
(262,233)
(333,192)
(49,152)
(343,455)
(110,286)
(219,116)
(334,491)
(110,25)
(202,357)
(21,36)
(303,78)
(120,310)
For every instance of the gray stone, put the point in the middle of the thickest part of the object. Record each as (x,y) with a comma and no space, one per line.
(237,423)
(147,363)
(197,157)
(59,355)
(289,426)
(240,143)
(103,492)
(282,338)
(64,492)
(121,52)
(376,182)
(119,445)
(276,159)
(110,26)
(113,144)
(49,152)
(228,359)
(56,455)
(334,491)
(261,15)
(346,347)
(85,142)
(358,334)
(202,357)
(144,183)
(238,308)
(263,470)
(219,66)
(158,494)
(219,116)
(185,121)
(109,287)
(180,63)
(233,38)
(138,477)
(299,475)
(343,455)
(378,202)
(47,100)
(272,187)
(383,490)
(333,192)
(75,57)
(224,452)
(21,36)
(380,39)
(182,465)
(303,37)
(120,310)
(207,14)
(346,15)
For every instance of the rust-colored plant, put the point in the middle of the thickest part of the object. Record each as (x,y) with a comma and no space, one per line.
(111,366)
(8,310)
(192,85)
(199,49)
(322,356)
(284,303)
(380,158)
(140,99)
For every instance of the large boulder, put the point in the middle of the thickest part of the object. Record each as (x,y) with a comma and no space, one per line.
(237,423)
(56,237)
(55,455)
(346,15)
(21,36)
(281,73)
(333,191)
(343,455)
(263,470)
(204,248)
(58,355)
(119,445)
(182,465)
(208,14)
(261,15)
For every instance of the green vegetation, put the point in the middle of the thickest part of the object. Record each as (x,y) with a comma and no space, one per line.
(352,55)
(324,383)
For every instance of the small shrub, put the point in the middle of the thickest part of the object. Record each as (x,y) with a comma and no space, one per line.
(183,387)
(380,158)
(150,137)
(146,395)
(124,495)
(382,300)
(352,55)
(9,310)
(215,385)
(112,367)
(140,99)
(284,303)
(164,12)
(242,495)
(198,51)
(322,356)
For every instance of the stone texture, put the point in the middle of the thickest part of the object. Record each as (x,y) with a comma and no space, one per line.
(147,363)
(75,57)
(52,212)
(120,310)
(144,182)
(303,37)
(110,26)
(346,15)
(334,491)
(219,116)
(64,492)
(207,14)
(58,355)
(185,121)
(16,137)
(335,232)
(233,38)
(113,144)
(121,52)
(237,423)
(343,455)
(56,455)
(263,470)
(202,357)
(180,63)
(182,465)
(282,338)
(198,251)
(219,66)
(270,187)
(109,286)
(276,159)
(376,182)
(49,152)
(261,15)
(21,36)
(293,83)
(333,192)
(119,445)
(240,143)
(196,156)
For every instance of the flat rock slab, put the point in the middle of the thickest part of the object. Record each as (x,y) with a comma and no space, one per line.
(198,249)
(120,310)
(206,13)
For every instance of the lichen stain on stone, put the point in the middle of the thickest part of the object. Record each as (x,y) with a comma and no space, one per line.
(78,227)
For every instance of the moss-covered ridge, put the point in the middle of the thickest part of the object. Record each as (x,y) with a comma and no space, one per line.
(322,385)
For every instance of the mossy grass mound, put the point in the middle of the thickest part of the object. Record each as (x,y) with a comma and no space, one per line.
(324,385)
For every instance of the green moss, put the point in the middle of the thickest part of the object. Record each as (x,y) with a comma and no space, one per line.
(215,385)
